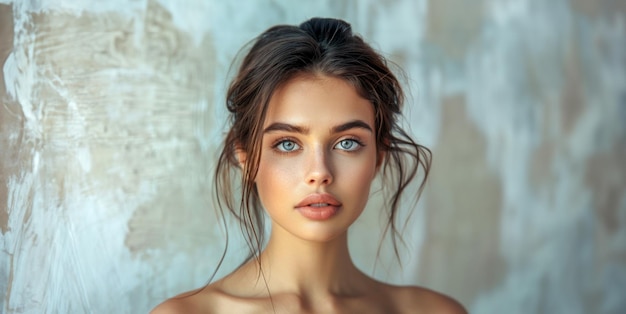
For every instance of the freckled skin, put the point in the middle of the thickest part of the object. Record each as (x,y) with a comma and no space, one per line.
(306,266)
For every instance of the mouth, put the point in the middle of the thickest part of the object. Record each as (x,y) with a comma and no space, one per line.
(318,206)
(319,200)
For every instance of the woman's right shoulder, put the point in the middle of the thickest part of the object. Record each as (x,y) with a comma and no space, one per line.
(203,300)
(171,306)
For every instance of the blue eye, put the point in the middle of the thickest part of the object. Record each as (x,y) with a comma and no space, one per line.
(287,146)
(348,145)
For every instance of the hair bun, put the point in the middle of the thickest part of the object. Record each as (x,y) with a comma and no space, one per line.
(327,31)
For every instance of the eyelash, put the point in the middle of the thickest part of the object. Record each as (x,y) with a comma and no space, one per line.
(278,142)
(282,140)
(359,143)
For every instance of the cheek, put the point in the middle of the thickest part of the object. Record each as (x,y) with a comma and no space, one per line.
(359,174)
(277,167)
(274,177)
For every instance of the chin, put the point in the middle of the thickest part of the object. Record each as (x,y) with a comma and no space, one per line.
(320,232)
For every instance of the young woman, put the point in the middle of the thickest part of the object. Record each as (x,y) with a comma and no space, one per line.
(314,119)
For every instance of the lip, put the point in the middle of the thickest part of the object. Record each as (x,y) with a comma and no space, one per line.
(308,208)
(318,199)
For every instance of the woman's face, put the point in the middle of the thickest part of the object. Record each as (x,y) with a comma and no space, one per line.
(318,157)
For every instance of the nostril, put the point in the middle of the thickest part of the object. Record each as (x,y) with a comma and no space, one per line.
(319,171)
(320,179)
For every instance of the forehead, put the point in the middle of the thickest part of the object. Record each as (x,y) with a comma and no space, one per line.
(318,100)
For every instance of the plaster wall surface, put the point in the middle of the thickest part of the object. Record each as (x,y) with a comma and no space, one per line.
(112,113)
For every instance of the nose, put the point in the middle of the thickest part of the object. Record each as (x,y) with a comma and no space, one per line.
(319,169)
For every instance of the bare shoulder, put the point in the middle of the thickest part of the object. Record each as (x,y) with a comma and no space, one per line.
(196,301)
(210,299)
(171,306)
(413,299)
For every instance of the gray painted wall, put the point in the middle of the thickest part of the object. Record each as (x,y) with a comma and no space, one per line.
(112,112)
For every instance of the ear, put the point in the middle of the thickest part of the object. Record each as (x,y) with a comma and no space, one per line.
(383,150)
(241,156)
(380,158)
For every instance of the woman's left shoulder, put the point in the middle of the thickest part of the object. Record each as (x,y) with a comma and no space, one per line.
(415,299)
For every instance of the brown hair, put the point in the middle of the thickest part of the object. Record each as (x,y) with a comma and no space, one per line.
(319,46)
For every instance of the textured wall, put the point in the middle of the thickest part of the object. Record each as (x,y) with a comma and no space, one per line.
(112,112)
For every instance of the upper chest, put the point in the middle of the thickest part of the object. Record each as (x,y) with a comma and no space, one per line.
(294,304)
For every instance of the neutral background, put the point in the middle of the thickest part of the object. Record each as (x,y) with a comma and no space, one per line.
(112,111)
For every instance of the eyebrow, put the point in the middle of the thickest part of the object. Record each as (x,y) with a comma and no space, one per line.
(279,126)
(352,125)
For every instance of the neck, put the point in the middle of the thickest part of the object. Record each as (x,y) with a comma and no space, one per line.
(294,265)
